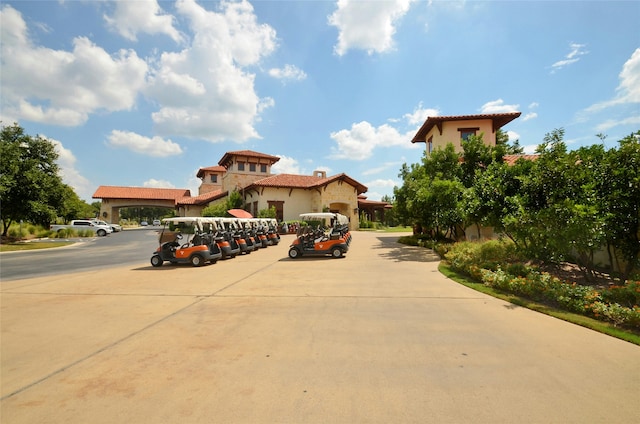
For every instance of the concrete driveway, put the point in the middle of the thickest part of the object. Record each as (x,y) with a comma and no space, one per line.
(379,336)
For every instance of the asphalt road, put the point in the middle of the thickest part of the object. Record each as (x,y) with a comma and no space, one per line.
(125,247)
(379,336)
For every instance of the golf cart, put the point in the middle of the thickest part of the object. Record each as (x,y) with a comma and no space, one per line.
(197,251)
(215,228)
(322,240)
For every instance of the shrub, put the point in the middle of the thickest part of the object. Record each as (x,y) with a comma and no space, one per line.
(569,296)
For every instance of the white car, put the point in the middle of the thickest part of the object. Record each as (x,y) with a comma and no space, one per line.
(114,227)
(156,222)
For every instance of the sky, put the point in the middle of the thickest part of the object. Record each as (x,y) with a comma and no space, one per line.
(144,93)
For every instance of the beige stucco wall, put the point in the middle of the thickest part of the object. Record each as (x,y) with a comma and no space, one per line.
(450,133)
(338,196)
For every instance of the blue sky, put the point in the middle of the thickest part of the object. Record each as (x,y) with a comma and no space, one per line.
(144,93)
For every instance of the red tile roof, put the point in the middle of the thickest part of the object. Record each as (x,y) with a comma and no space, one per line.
(499,120)
(304,181)
(201,171)
(247,153)
(117,192)
(512,159)
(202,199)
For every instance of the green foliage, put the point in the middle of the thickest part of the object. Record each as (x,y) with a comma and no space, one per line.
(564,206)
(496,264)
(572,297)
(219,209)
(30,187)
(267,213)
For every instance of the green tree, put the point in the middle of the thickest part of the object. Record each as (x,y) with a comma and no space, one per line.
(30,187)
(618,189)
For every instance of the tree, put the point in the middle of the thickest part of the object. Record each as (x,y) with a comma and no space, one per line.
(619,192)
(30,187)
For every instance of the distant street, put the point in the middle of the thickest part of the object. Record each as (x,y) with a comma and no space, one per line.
(125,247)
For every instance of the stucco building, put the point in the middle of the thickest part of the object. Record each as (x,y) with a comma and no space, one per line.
(438,131)
(248,173)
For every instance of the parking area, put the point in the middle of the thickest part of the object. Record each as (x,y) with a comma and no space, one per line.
(378,336)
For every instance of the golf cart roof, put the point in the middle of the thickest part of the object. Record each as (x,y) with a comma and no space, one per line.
(325,215)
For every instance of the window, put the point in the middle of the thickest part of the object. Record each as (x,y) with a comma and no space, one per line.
(214,178)
(465,133)
(430,145)
(263,168)
(252,167)
(240,166)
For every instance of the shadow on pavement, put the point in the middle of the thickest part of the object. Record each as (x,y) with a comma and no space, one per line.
(398,252)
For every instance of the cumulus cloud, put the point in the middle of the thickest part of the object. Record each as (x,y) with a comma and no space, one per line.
(68,172)
(64,87)
(153,183)
(572,57)
(286,165)
(154,146)
(628,90)
(359,141)
(368,26)
(289,72)
(204,90)
(498,106)
(513,136)
(529,116)
(141,16)
(381,183)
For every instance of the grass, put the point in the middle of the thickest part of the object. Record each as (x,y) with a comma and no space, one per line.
(593,324)
(16,247)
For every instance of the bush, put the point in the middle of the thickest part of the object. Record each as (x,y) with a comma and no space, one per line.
(572,297)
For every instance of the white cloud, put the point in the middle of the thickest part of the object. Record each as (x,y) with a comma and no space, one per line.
(573,56)
(63,87)
(381,183)
(381,168)
(366,25)
(628,90)
(358,142)
(141,16)
(611,123)
(529,116)
(289,72)
(68,172)
(153,183)
(286,165)
(513,136)
(498,106)
(420,114)
(204,90)
(155,146)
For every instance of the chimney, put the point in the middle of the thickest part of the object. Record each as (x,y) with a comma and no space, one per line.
(320,174)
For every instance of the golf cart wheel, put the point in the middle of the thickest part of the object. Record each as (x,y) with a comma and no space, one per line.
(336,252)
(156,261)
(197,260)
(294,253)
(102,233)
